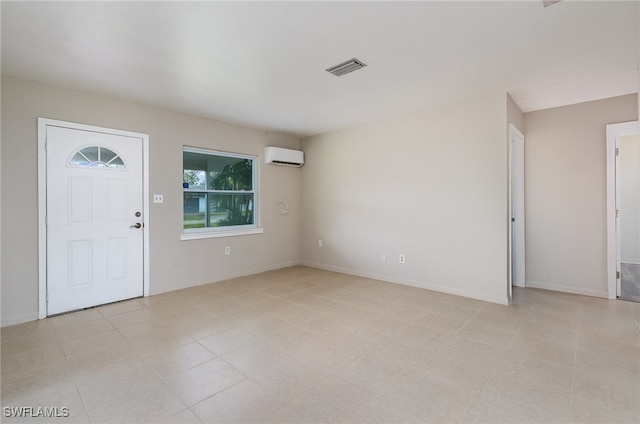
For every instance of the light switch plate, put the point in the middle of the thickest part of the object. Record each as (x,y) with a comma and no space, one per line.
(158,198)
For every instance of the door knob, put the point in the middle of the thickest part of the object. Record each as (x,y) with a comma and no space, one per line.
(136,225)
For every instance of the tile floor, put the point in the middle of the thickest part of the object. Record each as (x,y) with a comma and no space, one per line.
(302,345)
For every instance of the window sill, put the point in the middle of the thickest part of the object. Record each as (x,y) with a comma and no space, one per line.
(216,234)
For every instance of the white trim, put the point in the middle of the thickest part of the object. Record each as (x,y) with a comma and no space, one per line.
(212,234)
(43,123)
(567,289)
(42,217)
(630,261)
(410,282)
(510,214)
(229,231)
(214,152)
(614,133)
(146,196)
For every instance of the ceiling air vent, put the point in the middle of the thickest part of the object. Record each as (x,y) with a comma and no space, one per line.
(346,67)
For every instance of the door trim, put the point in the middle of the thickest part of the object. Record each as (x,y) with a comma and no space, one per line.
(614,133)
(43,123)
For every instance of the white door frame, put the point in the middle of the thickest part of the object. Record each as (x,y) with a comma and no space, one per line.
(516,211)
(43,123)
(614,133)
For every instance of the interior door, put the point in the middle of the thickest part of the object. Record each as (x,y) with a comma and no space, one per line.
(628,218)
(517,207)
(94,218)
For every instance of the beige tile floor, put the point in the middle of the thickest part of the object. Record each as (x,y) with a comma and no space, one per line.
(302,345)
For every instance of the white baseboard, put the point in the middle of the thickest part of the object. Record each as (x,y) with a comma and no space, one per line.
(409,282)
(224,277)
(257,270)
(630,261)
(21,319)
(568,289)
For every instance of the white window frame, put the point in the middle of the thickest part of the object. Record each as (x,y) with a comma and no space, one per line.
(228,231)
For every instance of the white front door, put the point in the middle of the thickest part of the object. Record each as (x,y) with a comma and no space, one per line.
(94,218)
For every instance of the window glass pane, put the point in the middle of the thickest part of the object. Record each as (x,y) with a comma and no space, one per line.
(231,174)
(79,160)
(195,205)
(230,209)
(205,210)
(217,172)
(194,179)
(91,153)
(116,163)
(106,155)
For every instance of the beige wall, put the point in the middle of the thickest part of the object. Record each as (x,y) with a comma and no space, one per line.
(174,263)
(514,115)
(565,194)
(431,186)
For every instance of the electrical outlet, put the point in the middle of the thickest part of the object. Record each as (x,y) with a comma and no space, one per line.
(383,257)
(319,243)
(227,250)
(401,259)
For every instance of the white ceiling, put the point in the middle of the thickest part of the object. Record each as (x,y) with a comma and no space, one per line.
(261,64)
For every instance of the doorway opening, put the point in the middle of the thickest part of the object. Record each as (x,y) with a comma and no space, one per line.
(623,211)
(93,224)
(516,210)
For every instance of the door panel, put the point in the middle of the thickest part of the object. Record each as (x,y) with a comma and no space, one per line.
(117,258)
(94,189)
(79,200)
(80,259)
(117,199)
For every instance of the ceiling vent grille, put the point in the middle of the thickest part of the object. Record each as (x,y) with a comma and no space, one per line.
(346,67)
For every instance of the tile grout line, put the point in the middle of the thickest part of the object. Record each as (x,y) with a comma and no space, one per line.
(71,375)
(495,369)
(575,361)
(187,407)
(84,403)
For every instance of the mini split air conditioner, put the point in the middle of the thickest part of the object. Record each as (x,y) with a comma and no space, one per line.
(285,157)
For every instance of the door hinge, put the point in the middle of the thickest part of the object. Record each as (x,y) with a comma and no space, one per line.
(617,213)
(46,296)
(617,275)
(617,151)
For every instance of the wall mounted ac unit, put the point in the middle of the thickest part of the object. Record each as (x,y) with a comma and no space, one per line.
(285,157)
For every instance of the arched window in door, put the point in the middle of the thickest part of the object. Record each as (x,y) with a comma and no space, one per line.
(97,157)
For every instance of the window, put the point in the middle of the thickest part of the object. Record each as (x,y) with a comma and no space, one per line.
(97,156)
(219,194)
